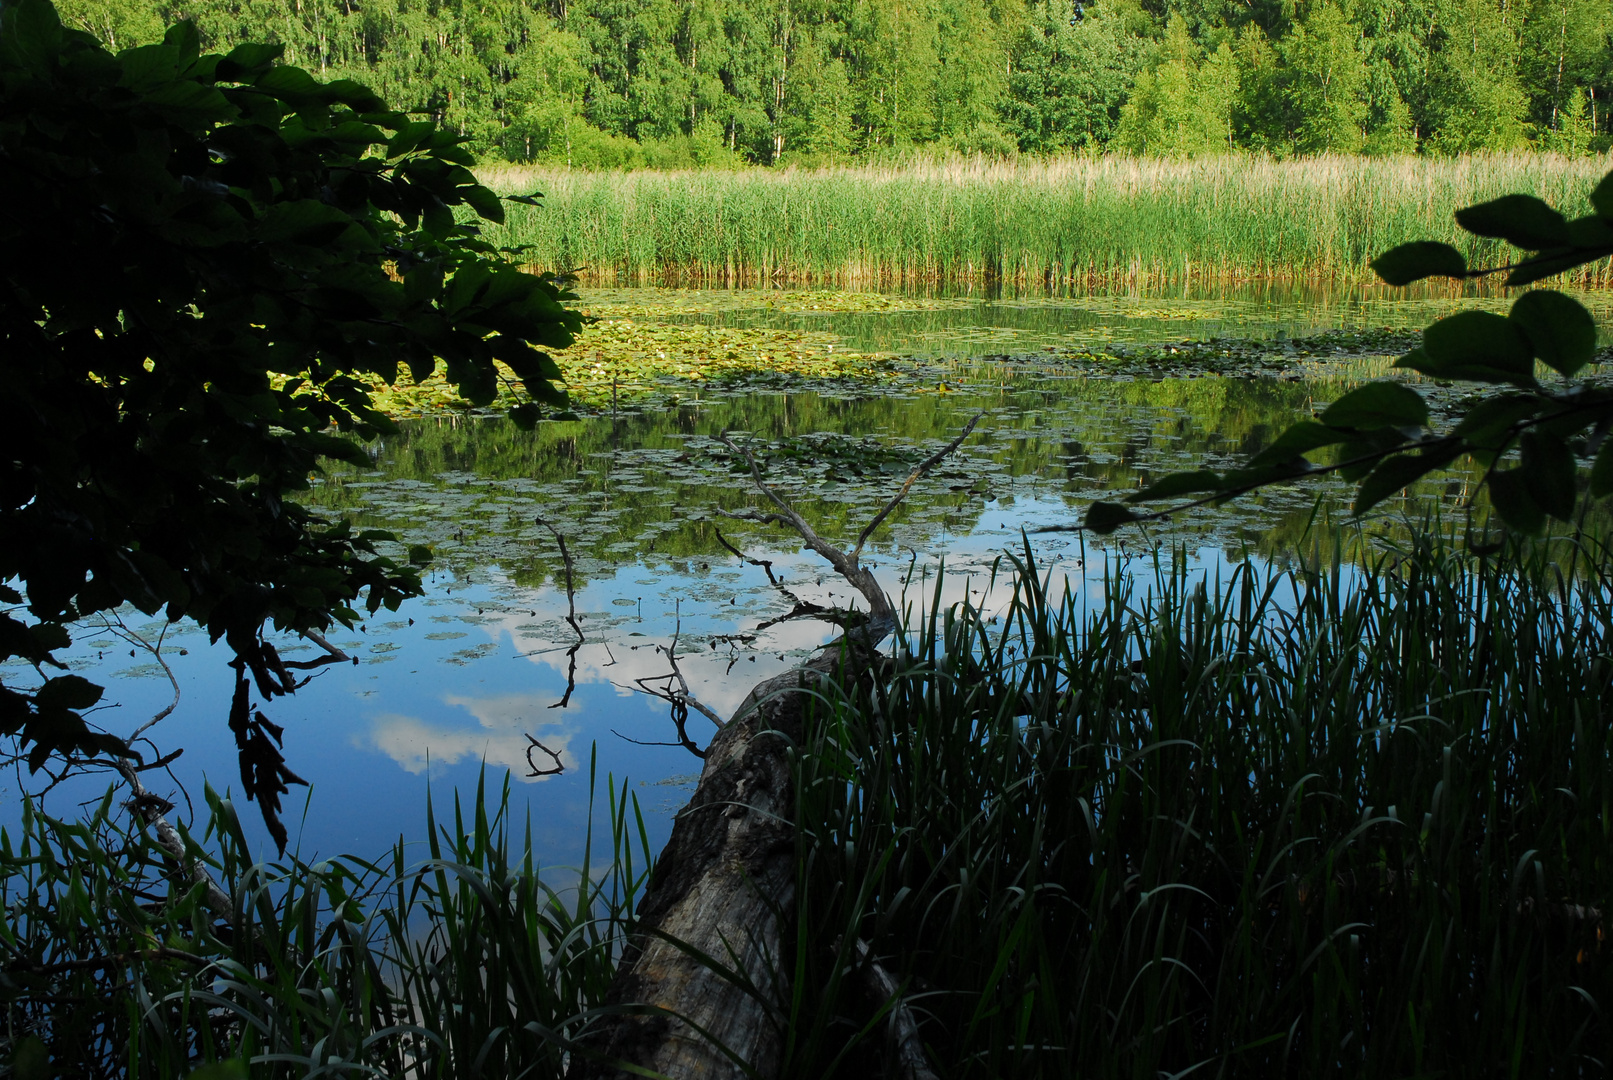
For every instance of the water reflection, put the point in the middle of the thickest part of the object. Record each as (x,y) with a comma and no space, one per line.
(466,675)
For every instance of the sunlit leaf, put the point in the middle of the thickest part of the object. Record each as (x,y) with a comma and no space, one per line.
(1476,345)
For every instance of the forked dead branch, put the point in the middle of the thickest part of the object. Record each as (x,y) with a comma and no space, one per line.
(699,987)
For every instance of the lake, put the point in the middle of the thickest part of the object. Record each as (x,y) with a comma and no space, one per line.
(469,675)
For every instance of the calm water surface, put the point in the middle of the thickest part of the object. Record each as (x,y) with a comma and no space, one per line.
(462,677)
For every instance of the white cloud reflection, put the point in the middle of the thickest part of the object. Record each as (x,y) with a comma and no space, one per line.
(496,732)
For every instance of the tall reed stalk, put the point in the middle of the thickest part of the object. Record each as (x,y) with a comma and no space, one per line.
(464,965)
(1053,223)
(1326,822)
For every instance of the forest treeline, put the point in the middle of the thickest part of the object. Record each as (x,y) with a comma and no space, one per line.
(623,83)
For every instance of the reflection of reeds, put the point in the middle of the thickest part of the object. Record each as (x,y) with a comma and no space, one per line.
(1052,222)
(1328,822)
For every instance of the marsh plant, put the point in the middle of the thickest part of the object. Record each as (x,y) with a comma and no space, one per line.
(1327,821)
(1330,820)
(1047,223)
(465,963)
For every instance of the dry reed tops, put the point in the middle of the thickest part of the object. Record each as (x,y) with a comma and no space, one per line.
(1028,222)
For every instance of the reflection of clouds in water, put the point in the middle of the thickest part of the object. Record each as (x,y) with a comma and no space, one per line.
(499,735)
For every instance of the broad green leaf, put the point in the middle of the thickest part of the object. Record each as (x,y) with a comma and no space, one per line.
(1602,470)
(1549,470)
(1560,331)
(191,104)
(30,1059)
(67,692)
(1477,345)
(185,41)
(1301,438)
(1509,494)
(484,202)
(1417,260)
(249,57)
(1602,197)
(525,416)
(303,221)
(419,555)
(1521,220)
(355,95)
(1365,444)
(1378,404)
(1591,231)
(1104,518)
(1486,422)
(1393,474)
(291,84)
(1182,483)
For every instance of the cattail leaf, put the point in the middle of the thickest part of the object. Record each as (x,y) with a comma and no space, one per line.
(1521,220)
(1417,260)
(1560,331)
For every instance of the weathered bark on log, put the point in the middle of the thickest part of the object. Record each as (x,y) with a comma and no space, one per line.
(724,887)
(722,895)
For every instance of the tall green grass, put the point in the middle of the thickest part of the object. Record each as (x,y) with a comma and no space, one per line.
(1328,822)
(465,964)
(1052,223)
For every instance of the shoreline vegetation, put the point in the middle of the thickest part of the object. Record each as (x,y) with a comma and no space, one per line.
(1055,224)
(1257,889)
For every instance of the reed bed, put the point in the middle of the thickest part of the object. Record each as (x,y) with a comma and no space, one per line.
(1053,223)
(1320,822)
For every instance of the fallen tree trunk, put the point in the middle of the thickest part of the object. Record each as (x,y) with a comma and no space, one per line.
(699,985)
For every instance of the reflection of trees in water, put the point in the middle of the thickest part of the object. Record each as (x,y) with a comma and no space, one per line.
(635,486)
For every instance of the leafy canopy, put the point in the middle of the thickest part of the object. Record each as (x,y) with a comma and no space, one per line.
(1381,430)
(206,259)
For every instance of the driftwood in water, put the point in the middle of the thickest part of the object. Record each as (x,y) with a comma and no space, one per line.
(723,892)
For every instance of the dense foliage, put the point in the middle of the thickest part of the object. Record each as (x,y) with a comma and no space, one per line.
(690,82)
(1535,426)
(1341,822)
(216,253)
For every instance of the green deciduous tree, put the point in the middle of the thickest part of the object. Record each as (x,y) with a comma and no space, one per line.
(1184,105)
(219,252)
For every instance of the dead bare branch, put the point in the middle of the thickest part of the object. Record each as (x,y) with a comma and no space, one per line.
(902,1027)
(537,770)
(571,594)
(923,467)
